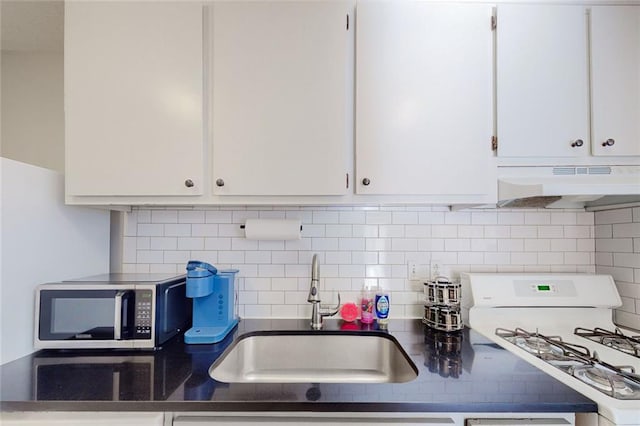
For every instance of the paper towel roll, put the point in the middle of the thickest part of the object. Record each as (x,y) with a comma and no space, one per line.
(272,229)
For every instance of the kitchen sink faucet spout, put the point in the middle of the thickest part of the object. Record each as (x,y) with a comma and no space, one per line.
(318,312)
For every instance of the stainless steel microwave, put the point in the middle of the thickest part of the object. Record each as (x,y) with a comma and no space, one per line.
(126,311)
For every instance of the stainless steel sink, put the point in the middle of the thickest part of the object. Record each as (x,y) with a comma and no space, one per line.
(314,357)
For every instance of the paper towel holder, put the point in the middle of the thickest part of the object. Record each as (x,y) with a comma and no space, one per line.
(242,227)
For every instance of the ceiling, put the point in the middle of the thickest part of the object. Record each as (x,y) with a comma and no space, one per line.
(32,25)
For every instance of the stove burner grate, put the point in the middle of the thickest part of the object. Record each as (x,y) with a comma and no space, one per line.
(577,361)
(614,339)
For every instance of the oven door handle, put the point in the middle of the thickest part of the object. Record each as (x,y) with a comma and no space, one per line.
(117,318)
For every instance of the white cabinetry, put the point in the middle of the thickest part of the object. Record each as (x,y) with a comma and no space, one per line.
(133,98)
(424,111)
(546,107)
(615,79)
(281,97)
(542,81)
(43,418)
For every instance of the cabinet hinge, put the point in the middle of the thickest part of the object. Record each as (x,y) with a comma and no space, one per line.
(494,143)
(494,23)
(347,22)
(347,180)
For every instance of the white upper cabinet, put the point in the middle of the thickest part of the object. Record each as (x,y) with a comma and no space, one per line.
(282,108)
(615,79)
(542,81)
(133,98)
(424,107)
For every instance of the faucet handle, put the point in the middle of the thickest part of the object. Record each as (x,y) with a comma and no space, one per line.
(332,311)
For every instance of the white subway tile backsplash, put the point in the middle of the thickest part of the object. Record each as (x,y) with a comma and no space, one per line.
(149,256)
(366,245)
(510,218)
(352,217)
(628,260)
(563,218)
(150,230)
(230,230)
(577,258)
(554,231)
(497,232)
(218,216)
(623,230)
(257,257)
(177,230)
(175,256)
(378,218)
(613,216)
(404,244)
(619,245)
(565,244)
(163,243)
(391,231)
(164,216)
(339,231)
(204,230)
(484,218)
(458,218)
(284,257)
(238,244)
(366,258)
(231,257)
(191,216)
(551,258)
(217,244)
(276,271)
(430,218)
(404,218)
(326,217)
(190,243)
(444,231)
(577,231)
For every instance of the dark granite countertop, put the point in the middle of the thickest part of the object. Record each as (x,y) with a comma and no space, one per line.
(459,372)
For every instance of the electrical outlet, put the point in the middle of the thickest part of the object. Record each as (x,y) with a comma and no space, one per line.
(417,271)
(436,269)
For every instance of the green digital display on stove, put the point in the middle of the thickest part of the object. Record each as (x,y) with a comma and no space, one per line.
(544,287)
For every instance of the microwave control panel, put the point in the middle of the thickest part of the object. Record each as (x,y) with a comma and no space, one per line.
(144,302)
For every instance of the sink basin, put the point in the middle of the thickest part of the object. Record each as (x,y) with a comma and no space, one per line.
(314,357)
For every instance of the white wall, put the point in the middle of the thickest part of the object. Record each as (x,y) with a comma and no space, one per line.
(33,108)
(42,240)
(356,245)
(617,234)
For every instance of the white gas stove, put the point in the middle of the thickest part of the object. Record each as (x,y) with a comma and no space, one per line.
(555,322)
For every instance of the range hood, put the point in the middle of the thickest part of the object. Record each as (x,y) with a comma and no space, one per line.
(568,186)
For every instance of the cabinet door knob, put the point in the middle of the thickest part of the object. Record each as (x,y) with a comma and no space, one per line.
(577,143)
(188,183)
(220,182)
(608,142)
(366,181)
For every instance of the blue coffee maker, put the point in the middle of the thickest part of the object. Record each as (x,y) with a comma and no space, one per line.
(214,302)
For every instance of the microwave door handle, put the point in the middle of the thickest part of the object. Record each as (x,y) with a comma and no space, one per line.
(117,321)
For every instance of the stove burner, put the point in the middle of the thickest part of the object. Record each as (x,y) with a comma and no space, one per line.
(608,382)
(578,361)
(535,345)
(613,339)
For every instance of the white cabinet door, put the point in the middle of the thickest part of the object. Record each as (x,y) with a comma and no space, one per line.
(542,81)
(76,418)
(281,104)
(133,98)
(423,98)
(615,79)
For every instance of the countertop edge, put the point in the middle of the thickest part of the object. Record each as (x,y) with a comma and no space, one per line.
(211,406)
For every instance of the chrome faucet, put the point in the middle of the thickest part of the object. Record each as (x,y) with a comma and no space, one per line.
(317,312)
